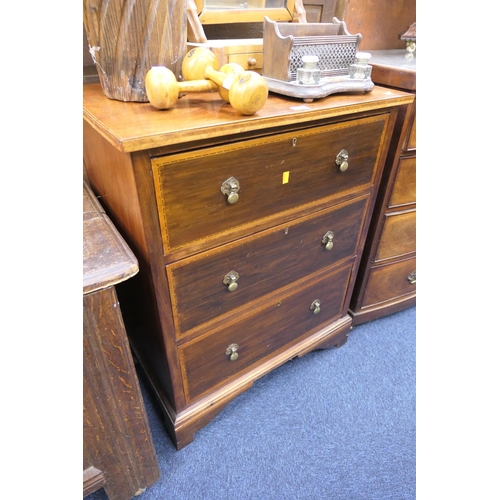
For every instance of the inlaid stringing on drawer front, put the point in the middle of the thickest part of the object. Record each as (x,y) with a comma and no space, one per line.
(262,264)
(275,174)
(286,316)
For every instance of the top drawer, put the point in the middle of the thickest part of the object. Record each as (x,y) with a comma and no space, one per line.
(276,177)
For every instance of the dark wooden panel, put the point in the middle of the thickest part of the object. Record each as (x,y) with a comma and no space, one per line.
(264,332)
(116,435)
(276,174)
(318,11)
(269,261)
(380,23)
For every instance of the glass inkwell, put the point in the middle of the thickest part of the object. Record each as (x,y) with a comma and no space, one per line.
(309,74)
(361,70)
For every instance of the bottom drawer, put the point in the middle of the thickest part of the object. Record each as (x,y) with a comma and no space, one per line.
(390,282)
(270,328)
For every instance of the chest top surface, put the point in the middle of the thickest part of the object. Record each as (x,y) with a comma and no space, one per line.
(132,126)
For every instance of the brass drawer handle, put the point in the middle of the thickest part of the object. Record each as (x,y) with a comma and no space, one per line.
(412,277)
(328,240)
(231,352)
(251,61)
(315,306)
(230,280)
(342,160)
(230,188)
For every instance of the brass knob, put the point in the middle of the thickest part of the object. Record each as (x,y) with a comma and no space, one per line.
(412,277)
(230,188)
(315,306)
(342,160)
(251,61)
(328,240)
(230,280)
(231,352)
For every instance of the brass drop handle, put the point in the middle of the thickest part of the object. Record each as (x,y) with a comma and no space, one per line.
(230,279)
(342,160)
(315,306)
(231,352)
(230,188)
(251,61)
(412,277)
(328,240)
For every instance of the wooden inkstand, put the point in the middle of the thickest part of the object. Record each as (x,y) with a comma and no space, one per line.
(340,68)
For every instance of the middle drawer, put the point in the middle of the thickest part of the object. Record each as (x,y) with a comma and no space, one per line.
(218,283)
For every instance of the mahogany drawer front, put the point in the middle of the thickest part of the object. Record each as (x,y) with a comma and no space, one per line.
(264,332)
(279,173)
(398,235)
(391,282)
(404,191)
(264,263)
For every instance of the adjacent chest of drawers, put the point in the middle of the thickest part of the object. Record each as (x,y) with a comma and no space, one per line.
(248,232)
(386,282)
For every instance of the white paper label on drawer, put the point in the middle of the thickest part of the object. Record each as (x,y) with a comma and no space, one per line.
(286,177)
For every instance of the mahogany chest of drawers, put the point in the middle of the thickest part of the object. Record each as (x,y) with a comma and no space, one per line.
(248,232)
(387,279)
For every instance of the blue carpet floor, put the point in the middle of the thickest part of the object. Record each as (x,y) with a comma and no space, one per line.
(335,424)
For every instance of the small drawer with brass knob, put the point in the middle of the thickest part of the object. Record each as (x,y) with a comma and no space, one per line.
(275,322)
(248,60)
(247,52)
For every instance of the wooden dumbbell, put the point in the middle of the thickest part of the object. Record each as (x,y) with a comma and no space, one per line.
(246,95)
(246,91)
(163,89)
(198,62)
